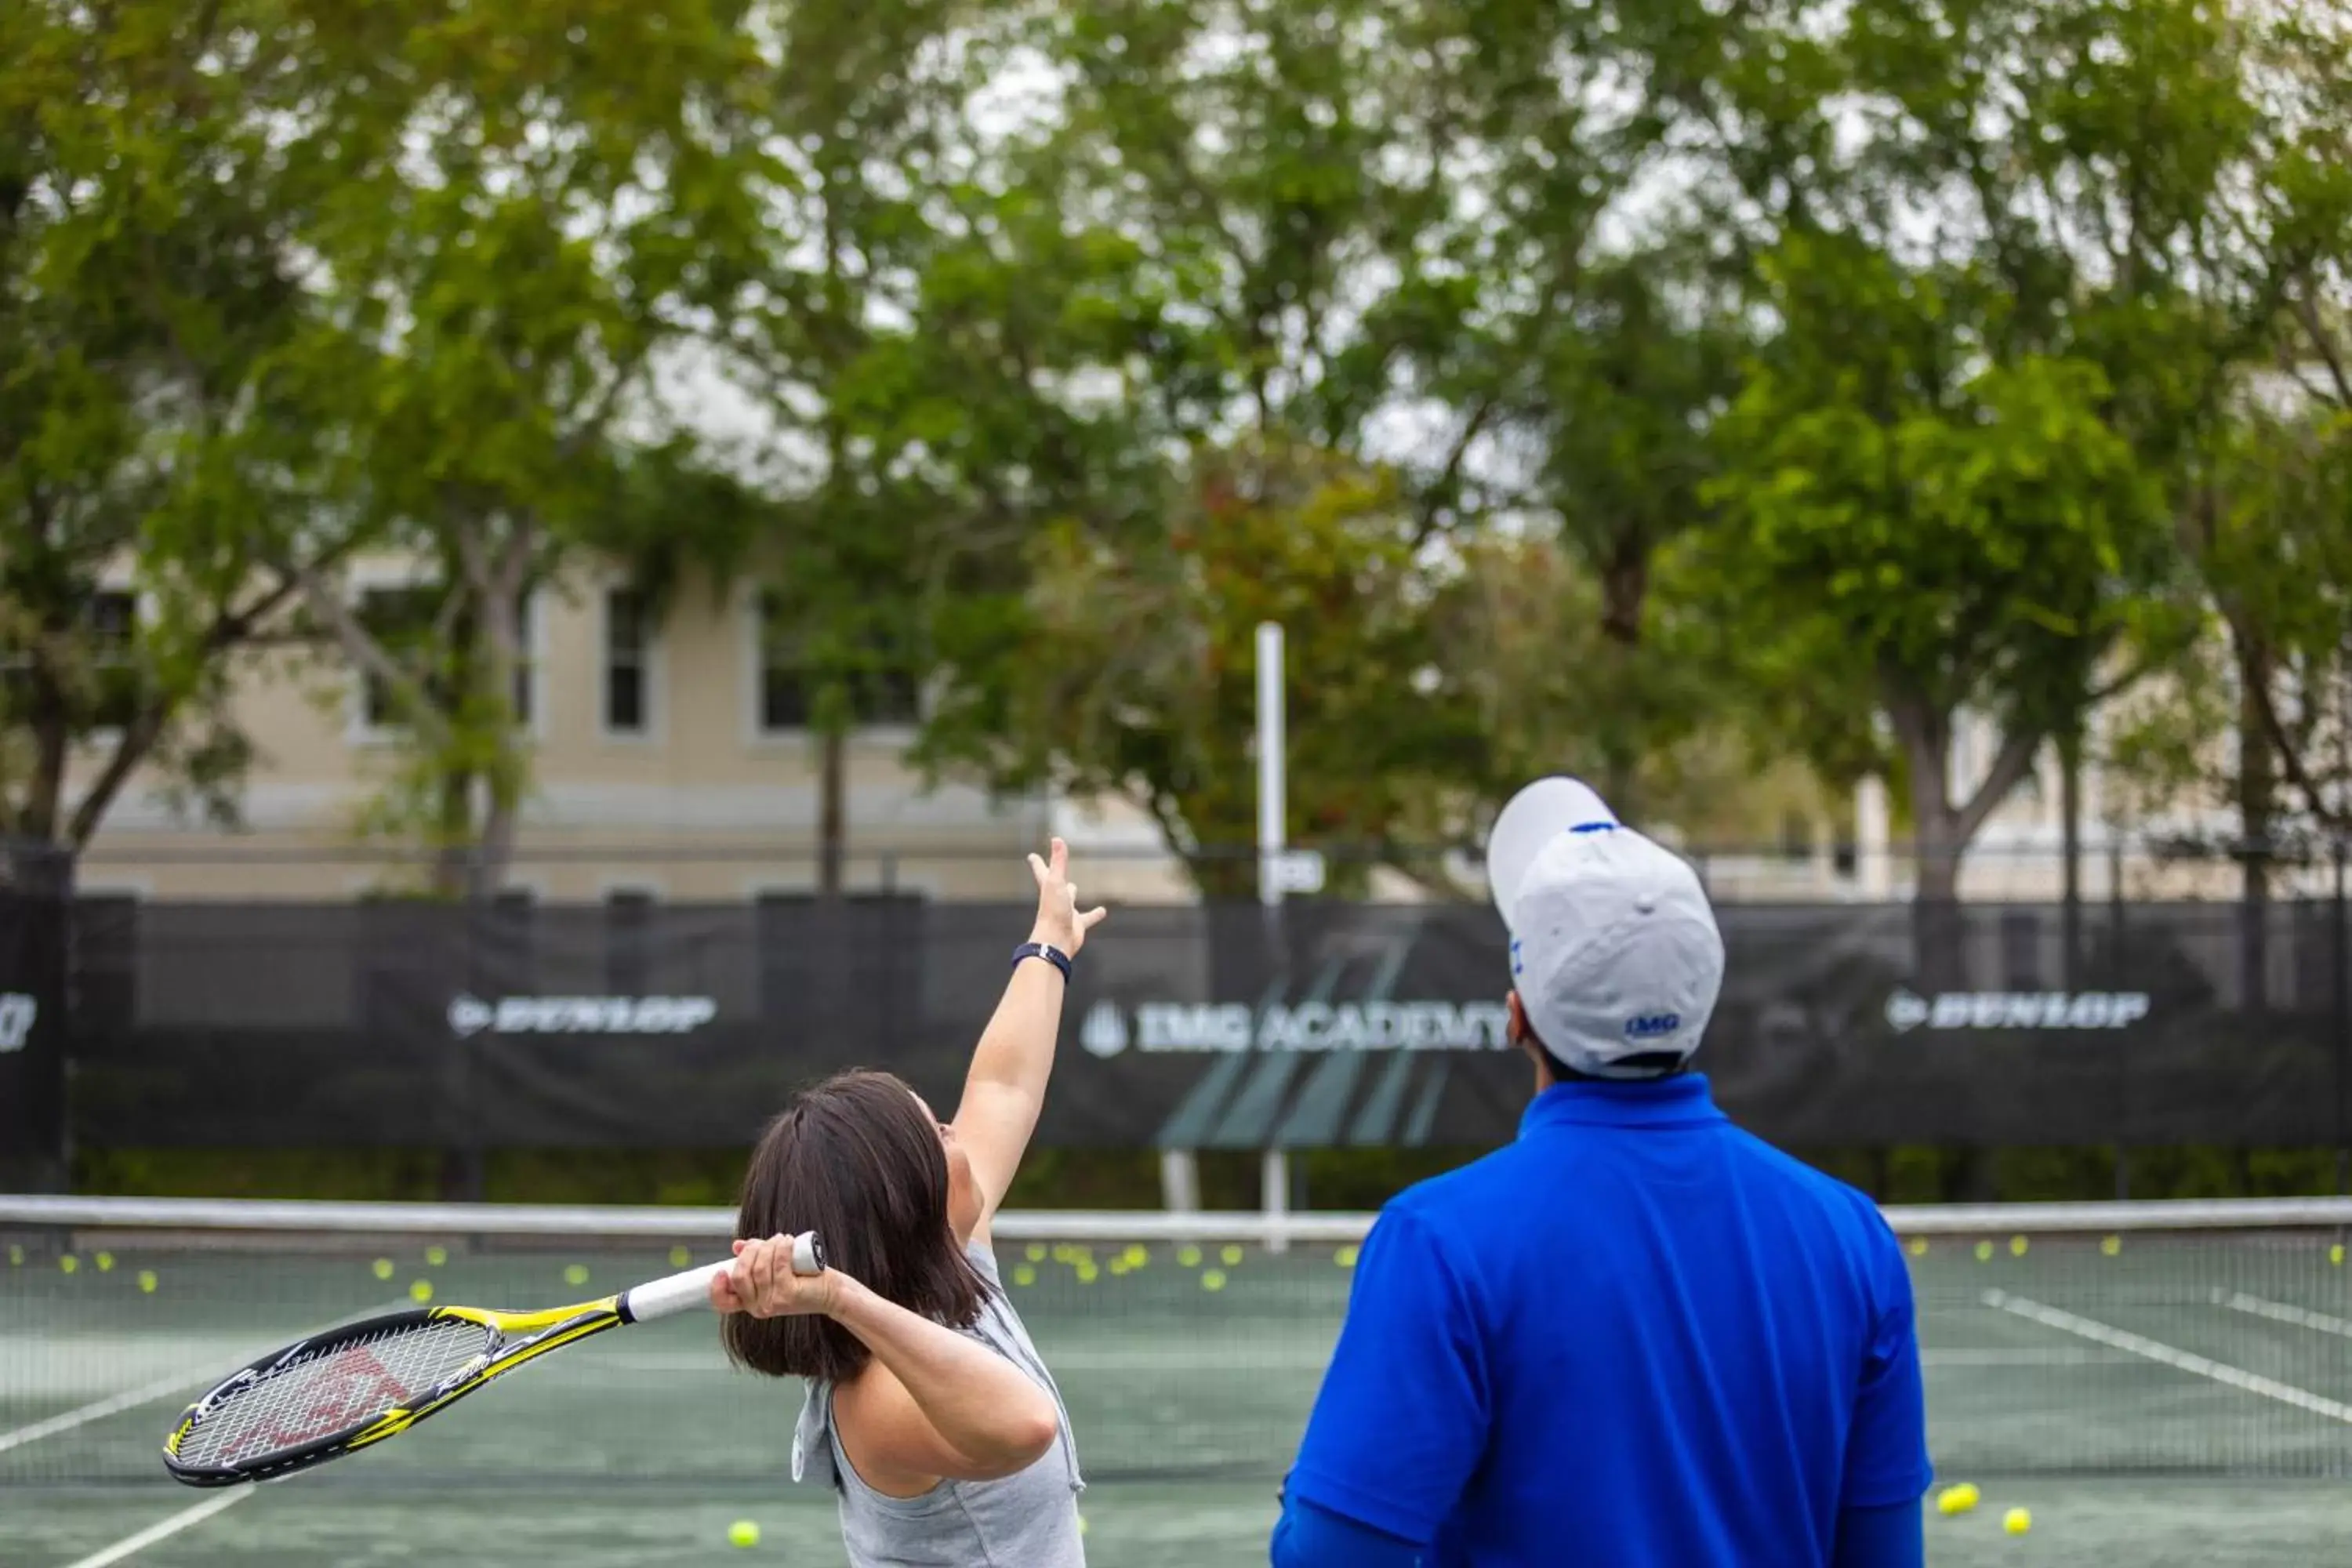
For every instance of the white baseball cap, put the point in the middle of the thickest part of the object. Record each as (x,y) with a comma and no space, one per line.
(1614,949)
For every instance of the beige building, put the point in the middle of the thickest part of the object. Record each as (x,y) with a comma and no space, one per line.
(669,759)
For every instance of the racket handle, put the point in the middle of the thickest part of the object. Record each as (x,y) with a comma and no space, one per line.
(676,1293)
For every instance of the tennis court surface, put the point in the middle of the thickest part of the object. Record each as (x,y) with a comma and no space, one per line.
(2157,1384)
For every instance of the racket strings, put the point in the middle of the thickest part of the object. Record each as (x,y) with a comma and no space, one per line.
(329,1389)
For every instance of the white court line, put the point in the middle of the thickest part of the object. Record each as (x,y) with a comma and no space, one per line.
(2170,1355)
(130,1399)
(2060,1355)
(2281,1313)
(163,1530)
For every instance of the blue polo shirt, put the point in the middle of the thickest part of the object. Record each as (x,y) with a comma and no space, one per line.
(1636,1336)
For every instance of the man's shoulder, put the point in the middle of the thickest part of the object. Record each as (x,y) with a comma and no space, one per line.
(1466,1189)
(1843,1205)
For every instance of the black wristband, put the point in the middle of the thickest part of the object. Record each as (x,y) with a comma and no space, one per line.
(1053,955)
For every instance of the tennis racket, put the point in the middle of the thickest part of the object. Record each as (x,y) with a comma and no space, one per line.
(349,1388)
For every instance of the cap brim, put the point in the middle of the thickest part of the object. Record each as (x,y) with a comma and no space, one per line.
(1535,817)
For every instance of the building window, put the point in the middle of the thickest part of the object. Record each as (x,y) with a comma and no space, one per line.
(883,687)
(405,622)
(628,656)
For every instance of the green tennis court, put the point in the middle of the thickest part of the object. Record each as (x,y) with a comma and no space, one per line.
(2168,1395)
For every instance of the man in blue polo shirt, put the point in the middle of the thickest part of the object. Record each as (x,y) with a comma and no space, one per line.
(1636,1337)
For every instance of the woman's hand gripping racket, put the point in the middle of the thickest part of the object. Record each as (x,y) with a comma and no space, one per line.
(351,1387)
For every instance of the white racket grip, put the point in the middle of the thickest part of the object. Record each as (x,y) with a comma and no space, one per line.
(667,1297)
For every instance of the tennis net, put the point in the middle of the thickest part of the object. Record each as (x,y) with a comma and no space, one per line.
(2204,1337)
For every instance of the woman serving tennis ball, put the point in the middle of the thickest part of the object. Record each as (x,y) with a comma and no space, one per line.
(928,1406)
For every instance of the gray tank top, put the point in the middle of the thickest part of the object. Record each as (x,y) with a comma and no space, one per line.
(1025,1521)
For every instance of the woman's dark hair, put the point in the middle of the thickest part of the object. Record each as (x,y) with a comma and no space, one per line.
(855,1160)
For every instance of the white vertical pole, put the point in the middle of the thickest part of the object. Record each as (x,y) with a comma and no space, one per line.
(1274,1166)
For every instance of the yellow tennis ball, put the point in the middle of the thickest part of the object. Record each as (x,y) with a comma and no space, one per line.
(1955,1500)
(382,1267)
(2017,1247)
(69,1264)
(1215,1279)
(1918,1246)
(1024,1275)
(744,1533)
(1232,1255)
(1984,1250)
(1082,1524)
(2112,1246)
(1138,1255)
(1089,1273)
(147,1281)
(421,1292)
(1119,1266)
(576,1274)
(16,1257)
(1036,1252)
(2016,1521)
(105,1262)
(436,1256)
(1346,1257)
(679,1258)
(2336,1255)
(1189,1256)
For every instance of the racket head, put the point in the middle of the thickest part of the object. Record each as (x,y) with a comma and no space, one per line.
(334,1393)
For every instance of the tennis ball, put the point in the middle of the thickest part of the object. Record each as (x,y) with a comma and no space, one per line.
(1918,1246)
(16,1257)
(1215,1279)
(147,1281)
(1232,1255)
(1138,1255)
(1024,1275)
(2016,1521)
(69,1264)
(1082,1524)
(1984,1250)
(382,1267)
(1953,1501)
(1089,1273)
(1189,1256)
(679,1258)
(1119,1266)
(436,1256)
(1346,1257)
(2336,1255)
(744,1533)
(2112,1246)
(576,1274)
(106,1262)
(2017,1245)
(1036,1252)
(421,1292)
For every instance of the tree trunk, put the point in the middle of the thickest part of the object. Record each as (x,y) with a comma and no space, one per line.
(832,825)
(2257,809)
(1938,952)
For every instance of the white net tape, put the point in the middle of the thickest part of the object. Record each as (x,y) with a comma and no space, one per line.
(330,1389)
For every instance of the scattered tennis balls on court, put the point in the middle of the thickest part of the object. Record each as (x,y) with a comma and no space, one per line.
(2112,1246)
(1918,1246)
(147,1281)
(679,1258)
(421,1292)
(1189,1256)
(106,1262)
(576,1274)
(1024,1275)
(68,1264)
(1346,1257)
(1232,1255)
(1984,1251)
(1138,1255)
(1215,1279)
(2016,1521)
(1956,1500)
(2017,1245)
(744,1533)
(1036,1252)
(382,1267)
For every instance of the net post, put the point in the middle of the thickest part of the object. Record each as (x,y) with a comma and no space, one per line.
(1274,1177)
(1180,1181)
